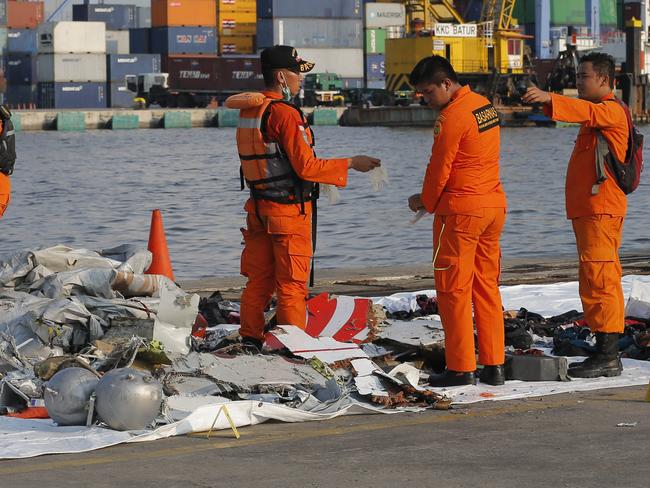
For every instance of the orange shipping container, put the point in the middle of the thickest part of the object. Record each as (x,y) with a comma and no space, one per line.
(237,44)
(24,15)
(183,12)
(237,23)
(237,5)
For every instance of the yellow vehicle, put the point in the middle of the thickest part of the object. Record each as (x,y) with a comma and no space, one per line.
(488,55)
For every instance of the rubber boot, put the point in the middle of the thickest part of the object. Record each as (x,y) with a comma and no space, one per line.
(493,375)
(452,378)
(604,362)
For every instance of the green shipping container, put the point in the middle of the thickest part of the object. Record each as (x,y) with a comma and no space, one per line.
(608,12)
(568,12)
(375,41)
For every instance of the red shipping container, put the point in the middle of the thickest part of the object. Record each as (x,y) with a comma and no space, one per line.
(25,15)
(213,74)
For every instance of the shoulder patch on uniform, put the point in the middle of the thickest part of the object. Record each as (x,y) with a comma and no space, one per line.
(437,127)
(486,117)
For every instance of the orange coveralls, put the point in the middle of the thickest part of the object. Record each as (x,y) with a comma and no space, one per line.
(462,187)
(597,219)
(5,189)
(277,251)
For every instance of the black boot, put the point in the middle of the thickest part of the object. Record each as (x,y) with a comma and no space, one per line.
(604,362)
(452,378)
(493,375)
(254,345)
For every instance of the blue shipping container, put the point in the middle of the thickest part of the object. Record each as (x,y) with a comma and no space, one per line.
(120,65)
(375,67)
(184,40)
(119,96)
(22,41)
(331,9)
(140,40)
(72,95)
(20,69)
(116,17)
(18,96)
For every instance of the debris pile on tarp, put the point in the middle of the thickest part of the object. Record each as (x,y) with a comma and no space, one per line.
(63,308)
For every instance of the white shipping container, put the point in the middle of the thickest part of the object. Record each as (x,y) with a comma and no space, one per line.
(384,15)
(72,37)
(63,68)
(118,42)
(346,62)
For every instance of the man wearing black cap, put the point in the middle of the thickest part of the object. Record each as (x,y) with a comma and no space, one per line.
(279,166)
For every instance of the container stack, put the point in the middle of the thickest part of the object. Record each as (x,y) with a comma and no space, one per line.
(182,27)
(71,65)
(383,21)
(118,19)
(237,24)
(328,33)
(3,40)
(118,66)
(19,43)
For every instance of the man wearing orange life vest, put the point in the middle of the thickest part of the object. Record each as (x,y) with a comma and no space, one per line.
(596,211)
(462,187)
(5,181)
(278,163)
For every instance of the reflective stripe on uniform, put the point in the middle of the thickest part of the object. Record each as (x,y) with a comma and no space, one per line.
(245,123)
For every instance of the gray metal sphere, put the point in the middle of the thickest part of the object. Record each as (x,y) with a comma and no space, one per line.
(67,393)
(128,399)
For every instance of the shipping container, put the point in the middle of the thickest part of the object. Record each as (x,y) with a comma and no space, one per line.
(608,13)
(568,13)
(3,12)
(20,69)
(236,44)
(310,33)
(118,95)
(184,40)
(375,41)
(116,17)
(376,84)
(352,82)
(183,13)
(144,17)
(25,15)
(72,37)
(120,65)
(384,15)
(118,42)
(375,67)
(71,67)
(72,95)
(348,63)
(22,41)
(341,9)
(214,74)
(140,40)
(21,96)
(237,5)
(237,23)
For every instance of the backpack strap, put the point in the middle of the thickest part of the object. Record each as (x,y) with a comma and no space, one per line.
(603,150)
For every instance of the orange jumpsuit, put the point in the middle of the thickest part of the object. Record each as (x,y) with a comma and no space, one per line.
(597,219)
(5,189)
(462,187)
(278,249)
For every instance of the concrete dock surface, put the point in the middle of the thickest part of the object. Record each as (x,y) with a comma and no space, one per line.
(569,440)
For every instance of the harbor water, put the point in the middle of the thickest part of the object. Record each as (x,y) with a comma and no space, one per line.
(97,189)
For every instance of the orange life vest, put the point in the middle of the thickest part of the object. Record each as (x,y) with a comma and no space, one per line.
(265,168)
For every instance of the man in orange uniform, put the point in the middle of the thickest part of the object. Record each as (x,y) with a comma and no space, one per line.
(596,210)
(275,146)
(463,189)
(7,151)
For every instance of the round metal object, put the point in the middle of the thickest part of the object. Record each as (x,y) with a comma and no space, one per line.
(128,399)
(67,393)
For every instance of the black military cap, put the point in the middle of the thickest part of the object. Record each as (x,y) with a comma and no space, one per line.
(284,57)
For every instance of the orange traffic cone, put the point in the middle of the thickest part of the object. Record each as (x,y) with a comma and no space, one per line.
(160,264)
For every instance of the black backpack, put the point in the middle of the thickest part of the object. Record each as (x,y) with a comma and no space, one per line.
(7,142)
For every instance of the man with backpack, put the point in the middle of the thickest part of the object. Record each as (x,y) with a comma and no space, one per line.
(598,178)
